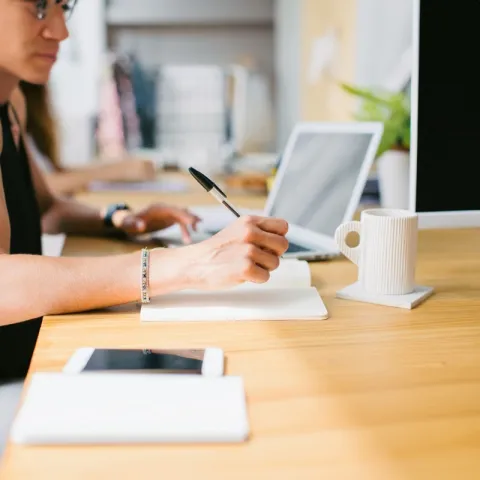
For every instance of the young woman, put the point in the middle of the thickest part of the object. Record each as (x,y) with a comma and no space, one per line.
(42,142)
(32,286)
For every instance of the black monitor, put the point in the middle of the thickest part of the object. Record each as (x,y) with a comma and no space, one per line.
(445,91)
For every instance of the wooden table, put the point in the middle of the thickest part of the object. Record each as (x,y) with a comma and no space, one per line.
(372,393)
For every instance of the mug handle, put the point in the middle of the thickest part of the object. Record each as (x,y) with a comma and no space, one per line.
(340,236)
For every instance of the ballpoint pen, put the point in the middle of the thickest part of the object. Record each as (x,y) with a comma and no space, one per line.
(213,189)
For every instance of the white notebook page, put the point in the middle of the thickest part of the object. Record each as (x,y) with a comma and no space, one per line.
(287,295)
(291,273)
(266,304)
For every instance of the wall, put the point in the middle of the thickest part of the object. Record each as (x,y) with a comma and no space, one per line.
(382,38)
(370,38)
(322,99)
(287,67)
(74,82)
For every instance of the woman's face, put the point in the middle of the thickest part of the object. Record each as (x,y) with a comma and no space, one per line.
(29,46)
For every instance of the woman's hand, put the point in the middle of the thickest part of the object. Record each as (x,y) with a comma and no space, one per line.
(246,251)
(156,217)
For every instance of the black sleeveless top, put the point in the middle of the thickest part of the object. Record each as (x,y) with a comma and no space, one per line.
(17,341)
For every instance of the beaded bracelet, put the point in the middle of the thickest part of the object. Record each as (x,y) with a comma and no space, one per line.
(145,266)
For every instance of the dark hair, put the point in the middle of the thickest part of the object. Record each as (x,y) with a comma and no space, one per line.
(41,122)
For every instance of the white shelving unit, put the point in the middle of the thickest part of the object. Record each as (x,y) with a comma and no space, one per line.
(222,32)
(165,32)
(189,12)
(191,109)
(164,35)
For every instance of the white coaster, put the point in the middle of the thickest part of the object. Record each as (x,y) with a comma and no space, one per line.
(409,301)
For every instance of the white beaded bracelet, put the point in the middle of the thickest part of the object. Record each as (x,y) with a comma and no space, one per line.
(145,266)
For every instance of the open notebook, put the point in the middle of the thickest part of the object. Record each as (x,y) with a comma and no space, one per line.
(288,295)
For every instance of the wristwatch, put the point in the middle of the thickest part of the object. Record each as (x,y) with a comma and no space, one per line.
(111,209)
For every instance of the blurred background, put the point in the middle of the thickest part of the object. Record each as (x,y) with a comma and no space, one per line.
(219,84)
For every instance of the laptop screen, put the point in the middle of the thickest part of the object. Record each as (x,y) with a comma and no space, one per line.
(320,178)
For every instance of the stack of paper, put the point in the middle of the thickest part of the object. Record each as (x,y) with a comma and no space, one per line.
(288,295)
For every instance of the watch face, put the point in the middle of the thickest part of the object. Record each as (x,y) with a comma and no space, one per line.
(111,210)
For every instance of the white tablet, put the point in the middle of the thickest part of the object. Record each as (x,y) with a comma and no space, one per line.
(207,361)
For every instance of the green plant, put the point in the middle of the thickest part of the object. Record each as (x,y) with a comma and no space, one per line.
(392,109)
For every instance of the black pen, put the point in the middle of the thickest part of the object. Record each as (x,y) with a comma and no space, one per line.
(213,189)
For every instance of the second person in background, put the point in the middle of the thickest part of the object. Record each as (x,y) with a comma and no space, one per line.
(43,142)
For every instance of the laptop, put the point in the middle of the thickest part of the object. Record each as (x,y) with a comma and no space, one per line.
(320,179)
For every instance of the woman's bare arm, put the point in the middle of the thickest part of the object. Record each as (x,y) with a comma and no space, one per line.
(70,181)
(32,286)
(67,182)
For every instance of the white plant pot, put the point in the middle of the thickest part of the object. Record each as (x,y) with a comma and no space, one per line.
(393,169)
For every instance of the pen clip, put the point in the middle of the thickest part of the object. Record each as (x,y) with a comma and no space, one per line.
(219,189)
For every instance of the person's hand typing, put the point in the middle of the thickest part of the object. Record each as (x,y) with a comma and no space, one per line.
(246,251)
(156,217)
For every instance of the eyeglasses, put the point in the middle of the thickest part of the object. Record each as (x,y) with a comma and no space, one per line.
(43,6)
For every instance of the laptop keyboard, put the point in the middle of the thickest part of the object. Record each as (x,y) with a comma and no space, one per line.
(294,248)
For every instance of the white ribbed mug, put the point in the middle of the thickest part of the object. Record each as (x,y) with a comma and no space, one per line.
(387,252)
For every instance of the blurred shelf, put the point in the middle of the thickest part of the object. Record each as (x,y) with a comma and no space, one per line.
(189,12)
